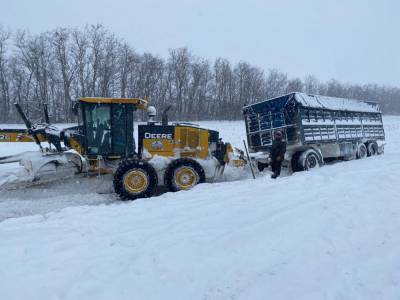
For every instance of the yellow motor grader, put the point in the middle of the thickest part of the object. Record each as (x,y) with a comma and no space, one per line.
(178,155)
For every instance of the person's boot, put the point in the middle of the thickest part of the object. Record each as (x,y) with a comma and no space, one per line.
(274,175)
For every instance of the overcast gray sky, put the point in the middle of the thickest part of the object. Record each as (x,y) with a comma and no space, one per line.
(350,40)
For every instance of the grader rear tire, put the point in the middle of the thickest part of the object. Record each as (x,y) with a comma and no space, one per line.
(183,174)
(135,179)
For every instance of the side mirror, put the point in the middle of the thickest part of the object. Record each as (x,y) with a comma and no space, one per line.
(75,108)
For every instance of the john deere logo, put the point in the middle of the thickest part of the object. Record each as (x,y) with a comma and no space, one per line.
(157,145)
(148,135)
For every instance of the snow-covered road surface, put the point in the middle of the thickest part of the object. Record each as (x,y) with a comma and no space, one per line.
(328,234)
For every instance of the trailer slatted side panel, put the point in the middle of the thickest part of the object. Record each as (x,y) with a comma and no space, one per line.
(342,131)
(260,127)
(312,119)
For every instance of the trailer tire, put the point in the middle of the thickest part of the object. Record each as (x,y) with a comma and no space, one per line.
(261,166)
(362,151)
(183,174)
(135,179)
(311,160)
(372,149)
(306,160)
(295,162)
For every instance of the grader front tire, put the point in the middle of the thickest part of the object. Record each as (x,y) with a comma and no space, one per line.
(183,174)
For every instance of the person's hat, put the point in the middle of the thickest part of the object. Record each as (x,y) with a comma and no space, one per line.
(278,133)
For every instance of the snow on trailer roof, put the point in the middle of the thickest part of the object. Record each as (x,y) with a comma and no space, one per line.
(314,101)
(333,103)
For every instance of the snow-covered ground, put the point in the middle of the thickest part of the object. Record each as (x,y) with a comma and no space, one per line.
(332,233)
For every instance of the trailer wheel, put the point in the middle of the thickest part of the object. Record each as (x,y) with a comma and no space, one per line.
(261,166)
(135,179)
(306,161)
(183,174)
(361,151)
(311,160)
(372,149)
(295,162)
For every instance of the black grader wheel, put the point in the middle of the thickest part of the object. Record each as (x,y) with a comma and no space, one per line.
(183,174)
(135,179)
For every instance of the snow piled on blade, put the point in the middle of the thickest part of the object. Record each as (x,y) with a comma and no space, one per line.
(332,233)
(333,103)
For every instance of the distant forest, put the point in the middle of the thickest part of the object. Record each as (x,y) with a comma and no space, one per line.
(58,66)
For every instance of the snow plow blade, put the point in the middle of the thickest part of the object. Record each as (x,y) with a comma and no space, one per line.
(36,167)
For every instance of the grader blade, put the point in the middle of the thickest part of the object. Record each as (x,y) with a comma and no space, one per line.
(34,167)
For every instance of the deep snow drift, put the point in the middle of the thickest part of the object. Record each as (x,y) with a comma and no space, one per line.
(332,233)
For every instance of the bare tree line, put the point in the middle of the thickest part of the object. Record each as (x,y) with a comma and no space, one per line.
(61,65)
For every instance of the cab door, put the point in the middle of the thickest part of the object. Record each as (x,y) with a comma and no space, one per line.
(122,130)
(97,125)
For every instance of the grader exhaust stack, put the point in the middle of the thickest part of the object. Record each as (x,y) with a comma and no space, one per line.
(28,125)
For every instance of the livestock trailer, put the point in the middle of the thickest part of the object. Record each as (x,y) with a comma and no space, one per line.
(315,128)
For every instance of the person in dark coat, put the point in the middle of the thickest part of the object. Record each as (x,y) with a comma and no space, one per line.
(277,154)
